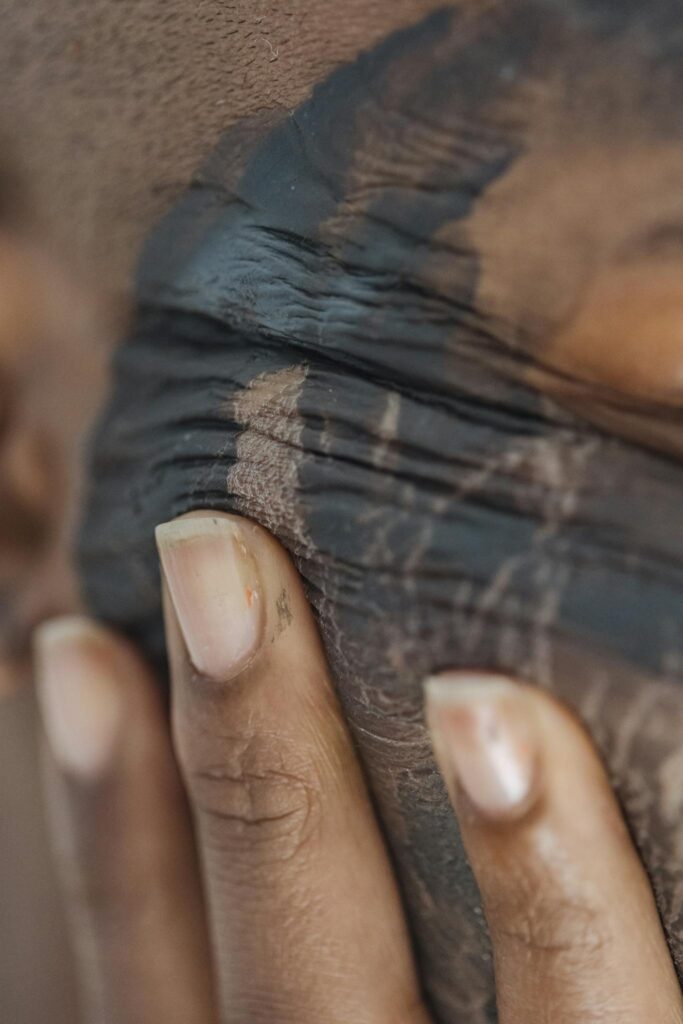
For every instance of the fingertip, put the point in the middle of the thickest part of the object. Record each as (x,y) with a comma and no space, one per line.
(65,630)
(505,743)
(215,589)
(79,693)
(486,741)
(120,828)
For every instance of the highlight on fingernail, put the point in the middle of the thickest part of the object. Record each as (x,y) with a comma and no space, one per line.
(78,693)
(485,740)
(216,592)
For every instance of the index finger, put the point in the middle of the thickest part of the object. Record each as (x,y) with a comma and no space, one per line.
(306,919)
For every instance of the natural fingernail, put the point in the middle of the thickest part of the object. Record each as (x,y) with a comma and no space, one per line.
(79,697)
(214,585)
(484,740)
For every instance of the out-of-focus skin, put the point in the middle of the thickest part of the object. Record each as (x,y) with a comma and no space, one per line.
(108,108)
(52,361)
(53,349)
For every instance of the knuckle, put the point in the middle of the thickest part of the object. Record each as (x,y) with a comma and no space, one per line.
(548,924)
(542,901)
(259,802)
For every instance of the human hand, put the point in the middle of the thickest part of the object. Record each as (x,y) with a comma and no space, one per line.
(301,919)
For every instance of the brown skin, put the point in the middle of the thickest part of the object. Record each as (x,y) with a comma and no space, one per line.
(594,178)
(304,916)
(111,106)
(53,351)
(78,96)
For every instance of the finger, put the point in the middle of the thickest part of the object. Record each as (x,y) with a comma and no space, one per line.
(122,832)
(306,919)
(575,931)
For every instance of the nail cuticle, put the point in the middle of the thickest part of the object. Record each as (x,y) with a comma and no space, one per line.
(216,591)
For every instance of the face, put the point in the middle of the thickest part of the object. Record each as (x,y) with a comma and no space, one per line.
(388,325)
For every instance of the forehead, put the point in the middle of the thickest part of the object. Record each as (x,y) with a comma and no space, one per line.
(109,106)
(475,130)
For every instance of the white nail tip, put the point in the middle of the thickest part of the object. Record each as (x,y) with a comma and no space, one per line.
(484,739)
(215,589)
(79,697)
(195,527)
(466,687)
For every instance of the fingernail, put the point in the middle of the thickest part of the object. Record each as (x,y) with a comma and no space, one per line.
(484,740)
(79,698)
(213,582)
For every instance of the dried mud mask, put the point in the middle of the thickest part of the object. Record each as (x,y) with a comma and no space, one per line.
(368,326)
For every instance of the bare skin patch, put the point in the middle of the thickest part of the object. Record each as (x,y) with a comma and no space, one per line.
(598,313)
(264,479)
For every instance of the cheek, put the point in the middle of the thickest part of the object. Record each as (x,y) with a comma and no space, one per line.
(628,335)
